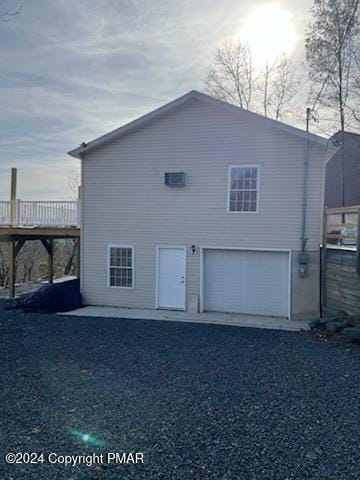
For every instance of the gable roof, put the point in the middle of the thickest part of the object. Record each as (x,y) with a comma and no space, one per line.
(354,135)
(79,152)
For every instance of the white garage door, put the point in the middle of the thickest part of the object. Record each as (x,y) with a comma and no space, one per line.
(246,282)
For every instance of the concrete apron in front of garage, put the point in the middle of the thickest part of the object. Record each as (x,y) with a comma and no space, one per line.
(233,319)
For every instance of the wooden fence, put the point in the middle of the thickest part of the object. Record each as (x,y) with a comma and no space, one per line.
(340,266)
(342,282)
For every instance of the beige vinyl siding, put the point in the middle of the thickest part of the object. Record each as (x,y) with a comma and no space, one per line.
(125,200)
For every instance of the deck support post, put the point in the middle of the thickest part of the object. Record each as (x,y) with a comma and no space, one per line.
(323,261)
(49,246)
(51,261)
(18,246)
(12,268)
(77,257)
(358,244)
(14,249)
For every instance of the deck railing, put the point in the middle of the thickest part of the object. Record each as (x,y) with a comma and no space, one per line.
(5,213)
(40,213)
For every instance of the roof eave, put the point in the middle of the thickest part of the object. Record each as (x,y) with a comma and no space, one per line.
(76,152)
(138,122)
(79,152)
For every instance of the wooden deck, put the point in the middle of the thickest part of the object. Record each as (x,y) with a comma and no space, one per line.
(37,233)
(46,221)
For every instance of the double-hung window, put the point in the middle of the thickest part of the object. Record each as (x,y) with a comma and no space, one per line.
(121,266)
(243,188)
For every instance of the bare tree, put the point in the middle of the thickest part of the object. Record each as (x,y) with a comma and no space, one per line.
(5,14)
(32,261)
(329,45)
(73,182)
(269,90)
(4,266)
(230,78)
(67,248)
(353,103)
(285,87)
(30,257)
(264,87)
(69,251)
(277,86)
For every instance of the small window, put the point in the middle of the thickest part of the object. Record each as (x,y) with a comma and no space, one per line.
(121,266)
(243,188)
(174,179)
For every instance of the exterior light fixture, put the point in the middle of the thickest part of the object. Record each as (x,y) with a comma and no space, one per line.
(193,249)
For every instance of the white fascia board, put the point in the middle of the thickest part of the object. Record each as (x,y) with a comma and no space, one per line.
(124,129)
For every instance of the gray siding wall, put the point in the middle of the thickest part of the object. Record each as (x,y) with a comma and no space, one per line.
(125,200)
(351,153)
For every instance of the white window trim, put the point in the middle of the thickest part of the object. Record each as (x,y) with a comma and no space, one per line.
(253,165)
(121,245)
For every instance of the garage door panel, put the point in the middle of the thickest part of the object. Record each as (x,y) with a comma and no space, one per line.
(246,282)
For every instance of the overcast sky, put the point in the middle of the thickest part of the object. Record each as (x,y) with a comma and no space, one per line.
(73,70)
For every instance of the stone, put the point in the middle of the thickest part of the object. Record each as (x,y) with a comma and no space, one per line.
(353,333)
(349,322)
(333,326)
(352,321)
(311,456)
(341,315)
(317,324)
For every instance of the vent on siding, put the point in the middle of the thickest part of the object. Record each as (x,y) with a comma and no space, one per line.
(175,179)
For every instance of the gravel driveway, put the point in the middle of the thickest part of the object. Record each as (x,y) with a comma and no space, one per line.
(200,401)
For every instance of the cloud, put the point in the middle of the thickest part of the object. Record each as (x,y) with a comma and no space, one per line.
(72,71)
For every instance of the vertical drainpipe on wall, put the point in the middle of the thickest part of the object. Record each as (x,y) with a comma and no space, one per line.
(303,258)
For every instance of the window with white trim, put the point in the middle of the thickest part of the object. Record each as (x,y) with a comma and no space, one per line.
(243,188)
(121,268)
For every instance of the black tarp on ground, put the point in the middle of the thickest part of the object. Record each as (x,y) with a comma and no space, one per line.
(58,297)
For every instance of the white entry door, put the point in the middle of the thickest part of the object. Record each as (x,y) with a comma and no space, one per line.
(171,281)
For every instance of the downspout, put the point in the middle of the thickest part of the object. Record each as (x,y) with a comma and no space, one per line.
(303,257)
